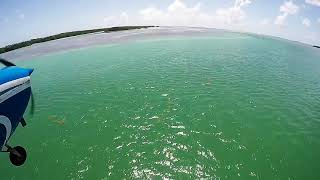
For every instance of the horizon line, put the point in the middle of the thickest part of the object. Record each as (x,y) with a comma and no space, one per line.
(154,26)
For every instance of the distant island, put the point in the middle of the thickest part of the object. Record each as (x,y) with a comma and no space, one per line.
(316,46)
(67,34)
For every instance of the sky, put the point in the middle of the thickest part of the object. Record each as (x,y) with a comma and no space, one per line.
(297,20)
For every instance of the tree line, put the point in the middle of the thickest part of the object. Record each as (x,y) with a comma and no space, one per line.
(65,35)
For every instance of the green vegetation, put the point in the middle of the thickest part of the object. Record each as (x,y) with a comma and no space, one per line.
(67,34)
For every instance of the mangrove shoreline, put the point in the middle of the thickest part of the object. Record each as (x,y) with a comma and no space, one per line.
(67,34)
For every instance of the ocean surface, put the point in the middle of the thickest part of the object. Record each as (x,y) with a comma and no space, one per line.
(177,105)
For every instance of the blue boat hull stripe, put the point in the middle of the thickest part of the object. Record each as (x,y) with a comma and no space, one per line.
(7,124)
(18,89)
(13,83)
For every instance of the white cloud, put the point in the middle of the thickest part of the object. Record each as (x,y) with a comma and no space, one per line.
(286,9)
(180,7)
(21,16)
(289,8)
(177,14)
(124,18)
(151,13)
(265,21)
(280,20)
(180,14)
(318,20)
(313,2)
(240,3)
(121,20)
(234,14)
(109,19)
(306,22)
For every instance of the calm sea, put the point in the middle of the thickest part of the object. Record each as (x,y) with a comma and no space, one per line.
(216,105)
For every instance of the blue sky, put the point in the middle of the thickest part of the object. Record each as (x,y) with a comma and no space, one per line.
(291,19)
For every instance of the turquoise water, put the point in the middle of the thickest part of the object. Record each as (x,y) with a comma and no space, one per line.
(238,107)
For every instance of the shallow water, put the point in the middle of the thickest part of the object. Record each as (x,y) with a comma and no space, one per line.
(238,107)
